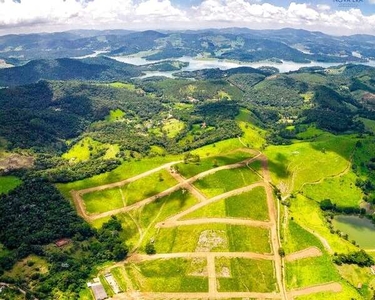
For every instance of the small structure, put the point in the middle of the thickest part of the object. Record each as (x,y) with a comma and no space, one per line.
(62,242)
(98,290)
(372,268)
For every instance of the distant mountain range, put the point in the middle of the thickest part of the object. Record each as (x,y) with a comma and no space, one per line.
(231,43)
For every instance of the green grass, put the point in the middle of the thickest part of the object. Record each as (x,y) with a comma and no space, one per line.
(249,205)
(206,163)
(226,180)
(87,147)
(122,85)
(115,115)
(170,275)
(128,194)
(294,165)
(212,237)
(86,294)
(119,275)
(246,275)
(124,171)
(356,275)
(106,286)
(173,127)
(341,190)
(369,124)
(310,133)
(308,214)
(8,183)
(253,136)
(310,271)
(146,217)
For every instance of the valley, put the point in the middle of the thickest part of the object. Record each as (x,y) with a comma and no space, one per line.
(236,182)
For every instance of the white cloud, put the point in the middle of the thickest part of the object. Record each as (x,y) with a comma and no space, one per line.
(34,15)
(325,7)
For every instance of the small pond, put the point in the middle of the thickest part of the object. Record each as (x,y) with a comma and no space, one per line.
(359,229)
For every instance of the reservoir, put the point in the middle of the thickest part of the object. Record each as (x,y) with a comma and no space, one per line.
(361,230)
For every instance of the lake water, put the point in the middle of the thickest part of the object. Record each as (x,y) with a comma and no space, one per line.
(361,230)
(196,63)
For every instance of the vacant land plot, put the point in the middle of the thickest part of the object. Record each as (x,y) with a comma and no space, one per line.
(115,115)
(212,238)
(226,180)
(250,205)
(294,165)
(139,224)
(171,275)
(8,183)
(245,275)
(340,190)
(173,127)
(128,194)
(190,169)
(87,148)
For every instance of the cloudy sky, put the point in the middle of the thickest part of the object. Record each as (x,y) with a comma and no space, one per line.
(339,17)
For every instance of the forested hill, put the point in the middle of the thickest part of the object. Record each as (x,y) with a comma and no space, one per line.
(94,69)
(233,43)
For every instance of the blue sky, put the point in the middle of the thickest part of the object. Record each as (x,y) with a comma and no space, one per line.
(330,16)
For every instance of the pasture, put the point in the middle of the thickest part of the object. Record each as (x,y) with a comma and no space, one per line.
(8,183)
(226,180)
(109,199)
(249,205)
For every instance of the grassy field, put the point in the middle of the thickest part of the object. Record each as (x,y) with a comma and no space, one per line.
(171,275)
(294,165)
(226,180)
(212,237)
(340,190)
(245,275)
(139,225)
(359,276)
(308,214)
(124,171)
(8,183)
(173,127)
(369,124)
(190,169)
(253,136)
(249,205)
(309,271)
(128,194)
(87,147)
(115,115)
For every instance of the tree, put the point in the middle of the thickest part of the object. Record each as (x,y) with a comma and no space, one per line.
(150,248)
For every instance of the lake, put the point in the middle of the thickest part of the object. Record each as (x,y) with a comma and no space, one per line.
(361,230)
(197,63)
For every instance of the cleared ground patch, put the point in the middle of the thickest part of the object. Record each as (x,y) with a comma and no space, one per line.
(190,169)
(245,275)
(226,180)
(294,165)
(8,183)
(139,224)
(249,205)
(88,148)
(170,275)
(106,200)
(173,127)
(212,238)
(342,191)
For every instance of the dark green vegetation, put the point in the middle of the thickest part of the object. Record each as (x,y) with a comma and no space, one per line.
(35,215)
